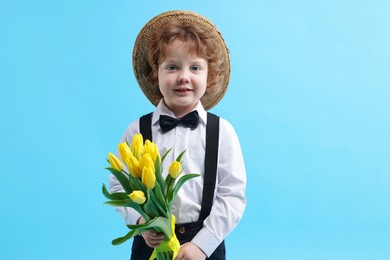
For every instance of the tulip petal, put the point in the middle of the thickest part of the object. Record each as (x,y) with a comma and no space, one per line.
(114,162)
(175,169)
(138,197)
(124,151)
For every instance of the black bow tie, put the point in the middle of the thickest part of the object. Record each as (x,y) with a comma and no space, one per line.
(190,120)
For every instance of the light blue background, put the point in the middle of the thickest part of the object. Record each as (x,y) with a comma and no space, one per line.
(309,98)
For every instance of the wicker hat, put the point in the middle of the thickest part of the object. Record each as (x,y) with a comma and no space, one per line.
(140,56)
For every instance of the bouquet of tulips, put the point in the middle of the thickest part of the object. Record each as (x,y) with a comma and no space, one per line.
(147,191)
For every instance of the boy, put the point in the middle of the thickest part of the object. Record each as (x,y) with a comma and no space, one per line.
(182,65)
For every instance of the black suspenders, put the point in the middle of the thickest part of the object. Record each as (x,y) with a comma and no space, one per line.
(211,157)
(145,126)
(210,166)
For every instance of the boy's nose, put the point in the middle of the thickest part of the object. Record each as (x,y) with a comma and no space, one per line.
(183,77)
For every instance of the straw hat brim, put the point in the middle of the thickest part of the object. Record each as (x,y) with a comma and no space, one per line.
(140,53)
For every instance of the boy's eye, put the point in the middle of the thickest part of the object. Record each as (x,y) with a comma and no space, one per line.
(196,68)
(172,67)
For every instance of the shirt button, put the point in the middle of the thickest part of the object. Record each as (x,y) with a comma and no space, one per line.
(179,133)
(182,230)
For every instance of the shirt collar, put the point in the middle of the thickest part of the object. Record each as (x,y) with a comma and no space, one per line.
(163,110)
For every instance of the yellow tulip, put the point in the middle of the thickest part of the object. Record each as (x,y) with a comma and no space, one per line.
(138,197)
(147,162)
(137,145)
(151,148)
(114,162)
(175,169)
(134,167)
(124,151)
(148,177)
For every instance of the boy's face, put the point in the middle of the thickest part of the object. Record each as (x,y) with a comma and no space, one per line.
(182,78)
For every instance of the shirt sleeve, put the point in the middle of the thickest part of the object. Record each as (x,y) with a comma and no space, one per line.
(129,215)
(230,201)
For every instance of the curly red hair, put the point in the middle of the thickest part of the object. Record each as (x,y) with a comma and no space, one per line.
(197,40)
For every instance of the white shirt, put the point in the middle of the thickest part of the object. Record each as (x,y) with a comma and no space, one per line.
(229,195)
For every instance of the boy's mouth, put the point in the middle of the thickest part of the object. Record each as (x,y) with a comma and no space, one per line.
(183,90)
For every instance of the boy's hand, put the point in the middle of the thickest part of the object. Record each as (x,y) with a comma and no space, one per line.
(152,238)
(190,251)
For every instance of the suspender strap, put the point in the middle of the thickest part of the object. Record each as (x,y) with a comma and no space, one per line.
(211,157)
(211,162)
(145,126)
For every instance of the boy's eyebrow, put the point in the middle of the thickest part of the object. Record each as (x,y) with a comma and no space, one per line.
(195,60)
(201,61)
(169,60)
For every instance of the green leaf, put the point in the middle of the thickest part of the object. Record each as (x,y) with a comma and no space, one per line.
(121,203)
(159,207)
(114,196)
(129,203)
(161,204)
(159,224)
(159,176)
(178,159)
(165,154)
(160,196)
(123,239)
(136,184)
(142,227)
(172,194)
(149,207)
(169,182)
(122,178)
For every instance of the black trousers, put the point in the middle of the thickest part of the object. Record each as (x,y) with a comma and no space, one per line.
(185,233)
